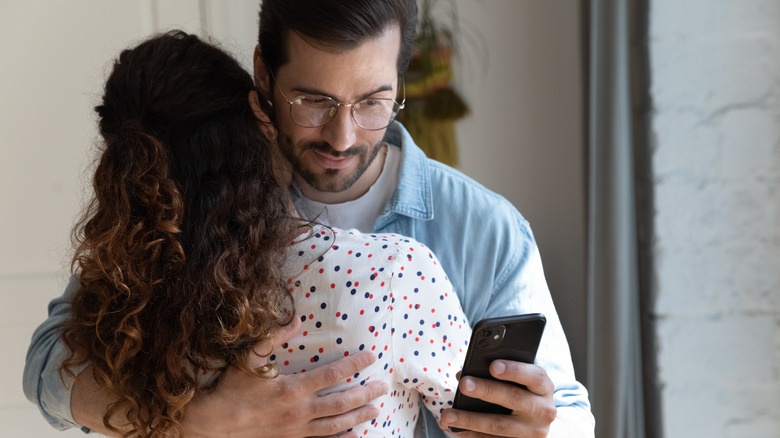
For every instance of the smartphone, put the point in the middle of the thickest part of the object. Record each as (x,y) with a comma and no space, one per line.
(514,338)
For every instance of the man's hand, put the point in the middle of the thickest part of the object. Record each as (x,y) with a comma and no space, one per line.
(245,406)
(533,409)
(286,406)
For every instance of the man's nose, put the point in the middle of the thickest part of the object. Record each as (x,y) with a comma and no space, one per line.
(341,131)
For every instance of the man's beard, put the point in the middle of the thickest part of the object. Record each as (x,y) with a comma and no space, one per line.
(333,180)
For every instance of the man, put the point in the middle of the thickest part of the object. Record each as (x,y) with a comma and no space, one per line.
(327,73)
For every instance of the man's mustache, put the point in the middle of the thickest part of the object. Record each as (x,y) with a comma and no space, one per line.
(325,148)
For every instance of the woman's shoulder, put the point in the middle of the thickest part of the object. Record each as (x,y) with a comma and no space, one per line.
(375,240)
(322,244)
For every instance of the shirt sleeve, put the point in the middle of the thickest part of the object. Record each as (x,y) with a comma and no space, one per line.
(431,332)
(520,288)
(42,382)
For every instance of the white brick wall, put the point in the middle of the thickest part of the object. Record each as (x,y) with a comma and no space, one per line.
(715,73)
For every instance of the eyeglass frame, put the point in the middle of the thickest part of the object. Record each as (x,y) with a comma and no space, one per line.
(338,106)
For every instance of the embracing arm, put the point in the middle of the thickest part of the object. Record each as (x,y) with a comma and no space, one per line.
(287,405)
(42,383)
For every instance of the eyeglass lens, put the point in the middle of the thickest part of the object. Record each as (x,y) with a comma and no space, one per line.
(372,114)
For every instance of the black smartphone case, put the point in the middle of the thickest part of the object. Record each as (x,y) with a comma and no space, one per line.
(519,341)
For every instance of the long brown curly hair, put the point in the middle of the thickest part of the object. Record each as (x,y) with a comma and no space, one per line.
(178,253)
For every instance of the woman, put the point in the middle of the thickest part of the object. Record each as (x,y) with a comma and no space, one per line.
(190,254)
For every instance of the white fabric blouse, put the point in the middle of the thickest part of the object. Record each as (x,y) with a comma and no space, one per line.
(383,293)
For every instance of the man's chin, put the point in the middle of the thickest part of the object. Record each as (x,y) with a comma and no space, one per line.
(332,181)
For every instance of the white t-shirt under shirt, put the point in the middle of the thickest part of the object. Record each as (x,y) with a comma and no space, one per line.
(361,213)
(382,293)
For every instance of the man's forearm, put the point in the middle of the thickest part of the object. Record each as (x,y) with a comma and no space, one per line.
(43,383)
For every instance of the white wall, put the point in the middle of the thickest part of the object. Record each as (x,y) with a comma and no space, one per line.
(523,139)
(715,68)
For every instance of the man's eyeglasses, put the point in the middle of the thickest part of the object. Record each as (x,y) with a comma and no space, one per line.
(372,114)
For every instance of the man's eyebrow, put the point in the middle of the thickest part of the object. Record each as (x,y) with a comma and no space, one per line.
(316,92)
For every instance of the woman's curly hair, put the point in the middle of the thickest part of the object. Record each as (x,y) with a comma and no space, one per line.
(178,253)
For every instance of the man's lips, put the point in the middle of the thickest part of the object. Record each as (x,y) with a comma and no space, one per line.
(330,162)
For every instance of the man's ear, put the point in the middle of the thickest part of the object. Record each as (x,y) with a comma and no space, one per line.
(266,126)
(262,78)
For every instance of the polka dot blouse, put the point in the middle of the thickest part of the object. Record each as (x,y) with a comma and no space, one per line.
(382,293)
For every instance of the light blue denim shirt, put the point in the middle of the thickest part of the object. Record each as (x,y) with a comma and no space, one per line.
(489,254)
(42,383)
(484,244)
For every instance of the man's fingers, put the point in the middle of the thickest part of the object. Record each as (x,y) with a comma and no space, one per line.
(326,375)
(334,425)
(524,403)
(345,402)
(479,424)
(531,376)
(340,411)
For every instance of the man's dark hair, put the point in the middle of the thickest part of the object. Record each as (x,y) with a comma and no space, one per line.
(334,24)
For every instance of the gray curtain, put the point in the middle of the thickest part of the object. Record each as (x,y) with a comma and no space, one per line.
(616,310)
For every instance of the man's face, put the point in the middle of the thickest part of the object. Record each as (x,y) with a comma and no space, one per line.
(339,155)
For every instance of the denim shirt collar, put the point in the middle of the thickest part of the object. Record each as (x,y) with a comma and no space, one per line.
(413,197)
